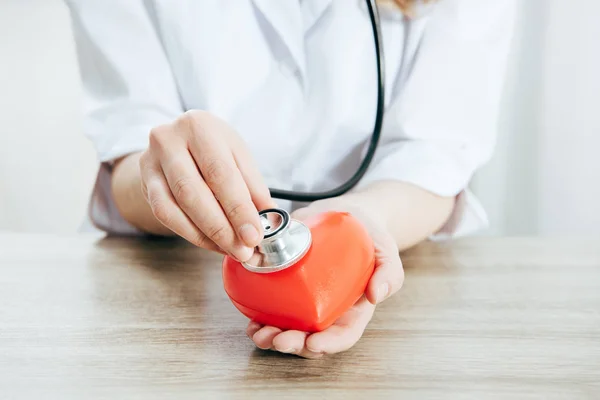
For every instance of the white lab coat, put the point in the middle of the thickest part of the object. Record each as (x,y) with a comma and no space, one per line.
(296,79)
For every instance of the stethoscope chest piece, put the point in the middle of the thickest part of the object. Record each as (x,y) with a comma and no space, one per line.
(285,242)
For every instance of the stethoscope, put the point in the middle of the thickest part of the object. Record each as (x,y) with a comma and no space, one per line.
(350,183)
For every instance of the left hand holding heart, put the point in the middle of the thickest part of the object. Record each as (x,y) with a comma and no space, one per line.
(386,280)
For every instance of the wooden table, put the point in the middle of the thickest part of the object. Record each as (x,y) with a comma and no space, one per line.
(84,318)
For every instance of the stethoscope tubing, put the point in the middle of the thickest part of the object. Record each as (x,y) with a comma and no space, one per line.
(375,136)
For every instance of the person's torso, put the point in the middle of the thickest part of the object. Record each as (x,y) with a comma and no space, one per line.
(297,80)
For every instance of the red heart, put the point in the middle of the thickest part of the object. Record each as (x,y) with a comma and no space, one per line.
(313,293)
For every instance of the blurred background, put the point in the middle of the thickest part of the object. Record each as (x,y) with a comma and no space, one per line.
(544,178)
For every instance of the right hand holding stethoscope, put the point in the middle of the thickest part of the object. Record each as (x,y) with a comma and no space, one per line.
(201,183)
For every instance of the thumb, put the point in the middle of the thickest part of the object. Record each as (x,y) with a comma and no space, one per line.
(388,277)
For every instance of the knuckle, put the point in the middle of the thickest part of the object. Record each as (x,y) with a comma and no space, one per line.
(395,280)
(200,240)
(160,211)
(193,121)
(217,233)
(158,137)
(144,188)
(238,211)
(146,165)
(143,161)
(185,193)
(194,116)
(215,171)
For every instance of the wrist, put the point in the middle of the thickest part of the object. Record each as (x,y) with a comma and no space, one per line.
(355,204)
(409,213)
(126,187)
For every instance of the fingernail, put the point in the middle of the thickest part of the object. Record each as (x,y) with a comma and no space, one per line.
(383,292)
(249,235)
(288,351)
(313,350)
(253,325)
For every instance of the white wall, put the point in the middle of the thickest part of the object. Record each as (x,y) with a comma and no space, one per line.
(571,120)
(544,178)
(46,165)
(508,186)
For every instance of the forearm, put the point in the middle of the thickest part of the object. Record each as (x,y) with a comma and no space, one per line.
(410,214)
(127,192)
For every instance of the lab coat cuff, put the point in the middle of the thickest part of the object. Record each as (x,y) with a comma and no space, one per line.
(121,144)
(102,210)
(468,217)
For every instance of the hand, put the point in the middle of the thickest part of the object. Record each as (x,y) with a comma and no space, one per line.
(348,329)
(201,183)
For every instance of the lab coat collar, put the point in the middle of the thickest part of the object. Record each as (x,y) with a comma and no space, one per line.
(285,17)
(312,11)
(389,11)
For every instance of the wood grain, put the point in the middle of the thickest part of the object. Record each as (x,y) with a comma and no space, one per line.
(86,318)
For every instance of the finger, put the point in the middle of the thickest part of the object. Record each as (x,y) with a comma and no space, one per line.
(387,278)
(259,191)
(252,328)
(167,212)
(263,338)
(294,342)
(222,175)
(344,333)
(197,200)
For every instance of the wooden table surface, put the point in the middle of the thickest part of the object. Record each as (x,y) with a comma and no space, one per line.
(85,318)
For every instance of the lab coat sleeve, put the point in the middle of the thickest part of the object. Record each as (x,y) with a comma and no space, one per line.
(128,88)
(441,127)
